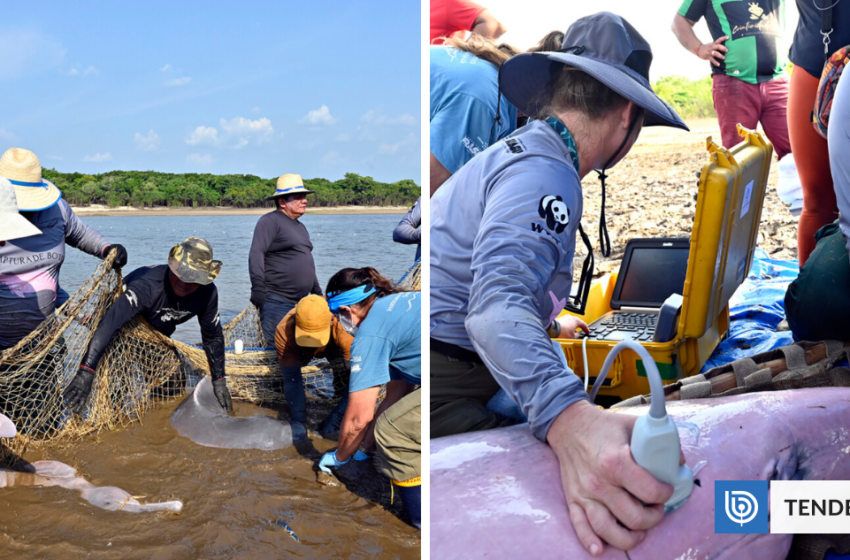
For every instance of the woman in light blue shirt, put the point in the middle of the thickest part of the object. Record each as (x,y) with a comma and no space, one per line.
(387,350)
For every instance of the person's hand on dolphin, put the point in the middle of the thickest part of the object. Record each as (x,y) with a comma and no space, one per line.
(222,393)
(605,489)
(329,461)
(79,388)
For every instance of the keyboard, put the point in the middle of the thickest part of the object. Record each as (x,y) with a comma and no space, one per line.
(623,326)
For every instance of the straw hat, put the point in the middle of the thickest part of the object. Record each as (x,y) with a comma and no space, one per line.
(291,183)
(23,170)
(7,427)
(12,224)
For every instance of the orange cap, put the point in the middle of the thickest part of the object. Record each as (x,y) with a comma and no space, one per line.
(312,322)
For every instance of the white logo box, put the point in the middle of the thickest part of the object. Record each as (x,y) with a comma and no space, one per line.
(826,504)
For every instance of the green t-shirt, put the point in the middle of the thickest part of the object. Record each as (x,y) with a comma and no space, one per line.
(756,52)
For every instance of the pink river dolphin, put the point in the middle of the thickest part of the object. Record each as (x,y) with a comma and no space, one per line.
(498,493)
(54,473)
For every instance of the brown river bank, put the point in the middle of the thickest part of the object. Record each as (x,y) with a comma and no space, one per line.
(232,501)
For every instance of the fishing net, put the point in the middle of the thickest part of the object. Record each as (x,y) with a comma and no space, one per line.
(140,367)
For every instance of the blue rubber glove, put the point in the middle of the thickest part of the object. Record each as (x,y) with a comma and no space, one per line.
(329,461)
(360,456)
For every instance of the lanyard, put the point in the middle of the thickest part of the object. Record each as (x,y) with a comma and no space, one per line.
(576,303)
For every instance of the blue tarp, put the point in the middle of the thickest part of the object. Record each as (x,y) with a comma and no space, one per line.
(755,310)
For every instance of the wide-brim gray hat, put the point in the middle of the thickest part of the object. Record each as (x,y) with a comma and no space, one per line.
(603,45)
(12,224)
(7,427)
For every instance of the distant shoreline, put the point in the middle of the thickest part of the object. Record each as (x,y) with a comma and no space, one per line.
(102,210)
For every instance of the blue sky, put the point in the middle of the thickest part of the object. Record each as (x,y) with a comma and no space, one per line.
(317,88)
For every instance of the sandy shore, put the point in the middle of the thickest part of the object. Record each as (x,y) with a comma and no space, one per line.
(103,210)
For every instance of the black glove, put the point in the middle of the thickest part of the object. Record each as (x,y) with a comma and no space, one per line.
(258,298)
(222,393)
(120,257)
(79,389)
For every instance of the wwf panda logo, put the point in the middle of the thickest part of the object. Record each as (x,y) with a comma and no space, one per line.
(555,212)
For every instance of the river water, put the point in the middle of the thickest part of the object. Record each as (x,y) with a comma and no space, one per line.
(339,241)
(233,499)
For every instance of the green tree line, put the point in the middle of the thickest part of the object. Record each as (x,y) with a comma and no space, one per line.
(149,189)
(690,98)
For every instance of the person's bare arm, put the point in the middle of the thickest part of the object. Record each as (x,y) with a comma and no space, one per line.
(683,28)
(396,389)
(604,487)
(439,174)
(358,416)
(488,26)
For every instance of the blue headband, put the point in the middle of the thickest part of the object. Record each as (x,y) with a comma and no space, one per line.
(355,295)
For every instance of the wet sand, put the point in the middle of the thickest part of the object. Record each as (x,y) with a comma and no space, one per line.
(232,500)
(103,210)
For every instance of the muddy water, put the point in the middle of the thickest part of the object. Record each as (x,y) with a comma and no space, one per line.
(232,501)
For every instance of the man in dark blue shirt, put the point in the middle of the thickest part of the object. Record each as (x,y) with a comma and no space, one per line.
(166,296)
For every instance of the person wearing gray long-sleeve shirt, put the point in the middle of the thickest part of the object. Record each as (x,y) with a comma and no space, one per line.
(503,234)
(408,230)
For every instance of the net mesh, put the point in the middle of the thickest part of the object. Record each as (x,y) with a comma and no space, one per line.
(140,367)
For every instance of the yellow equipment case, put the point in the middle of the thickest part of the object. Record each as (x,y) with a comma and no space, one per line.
(732,187)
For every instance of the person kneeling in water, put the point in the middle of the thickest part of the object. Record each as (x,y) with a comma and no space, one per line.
(166,296)
(311,331)
(387,348)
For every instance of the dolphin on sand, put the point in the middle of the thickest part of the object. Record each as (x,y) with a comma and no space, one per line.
(200,418)
(498,493)
(54,473)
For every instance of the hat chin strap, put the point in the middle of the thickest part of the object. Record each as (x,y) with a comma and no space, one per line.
(604,240)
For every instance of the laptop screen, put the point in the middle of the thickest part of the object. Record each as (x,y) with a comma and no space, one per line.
(653,274)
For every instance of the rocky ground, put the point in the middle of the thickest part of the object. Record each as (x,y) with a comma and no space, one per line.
(652,193)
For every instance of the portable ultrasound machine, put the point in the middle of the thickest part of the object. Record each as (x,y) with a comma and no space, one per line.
(671,296)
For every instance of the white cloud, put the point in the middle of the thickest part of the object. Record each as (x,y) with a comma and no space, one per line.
(256,111)
(28,52)
(322,115)
(308,144)
(177,82)
(199,159)
(55,158)
(374,116)
(7,135)
(388,148)
(165,68)
(203,135)
(344,137)
(148,142)
(331,158)
(75,71)
(241,143)
(99,158)
(261,129)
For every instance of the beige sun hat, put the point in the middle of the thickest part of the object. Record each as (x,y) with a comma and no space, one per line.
(291,183)
(12,224)
(23,170)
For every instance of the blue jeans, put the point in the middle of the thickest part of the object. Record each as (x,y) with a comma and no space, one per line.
(273,312)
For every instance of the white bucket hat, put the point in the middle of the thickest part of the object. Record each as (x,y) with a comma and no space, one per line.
(23,170)
(291,183)
(12,224)
(7,427)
